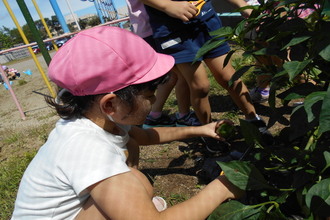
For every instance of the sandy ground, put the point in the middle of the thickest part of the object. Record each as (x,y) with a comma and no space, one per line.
(30,97)
(30,91)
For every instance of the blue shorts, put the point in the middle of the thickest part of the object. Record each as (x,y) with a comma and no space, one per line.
(150,40)
(181,39)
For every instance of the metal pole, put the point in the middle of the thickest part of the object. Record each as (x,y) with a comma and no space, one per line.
(99,13)
(29,48)
(34,30)
(59,16)
(72,14)
(5,79)
(44,23)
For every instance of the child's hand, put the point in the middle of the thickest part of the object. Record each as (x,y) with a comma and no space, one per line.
(214,126)
(182,10)
(246,13)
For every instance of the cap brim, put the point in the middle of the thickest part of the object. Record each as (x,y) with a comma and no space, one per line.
(162,66)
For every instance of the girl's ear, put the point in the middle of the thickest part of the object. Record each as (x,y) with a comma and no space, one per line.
(108,103)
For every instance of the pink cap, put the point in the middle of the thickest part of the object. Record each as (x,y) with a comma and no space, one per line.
(106,59)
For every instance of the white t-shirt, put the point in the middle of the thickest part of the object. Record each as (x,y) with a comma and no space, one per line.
(77,154)
(139,18)
(252,2)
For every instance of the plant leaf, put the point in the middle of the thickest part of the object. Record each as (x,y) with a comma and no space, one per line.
(273,215)
(207,47)
(327,160)
(325,53)
(318,198)
(326,9)
(260,52)
(234,210)
(228,56)
(310,100)
(298,91)
(250,132)
(240,27)
(222,32)
(295,68)
(237,75)
(325,113)
(244,175)
(295,41)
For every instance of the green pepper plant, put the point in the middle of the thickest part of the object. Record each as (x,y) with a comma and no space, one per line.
(289,179)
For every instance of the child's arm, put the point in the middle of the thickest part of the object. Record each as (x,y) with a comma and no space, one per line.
(159,135)
(239,4)
(133,153)
(124,197)
(182,10)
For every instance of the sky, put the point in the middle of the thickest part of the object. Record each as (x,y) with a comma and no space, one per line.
(79,7)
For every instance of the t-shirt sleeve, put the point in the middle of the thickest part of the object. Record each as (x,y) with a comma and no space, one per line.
(91,160)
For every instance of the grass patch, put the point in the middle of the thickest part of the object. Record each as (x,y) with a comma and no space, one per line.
(11,172)
(13,138)
(41,132)
(176,198)
(22,82)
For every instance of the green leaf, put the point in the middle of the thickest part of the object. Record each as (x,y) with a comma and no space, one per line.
(325,113)
(273,215)
(207,47)
(222,32)
(228,56)
(325,53)
(295,41)
(280,74)
(295,68)
(298,91)
(235,211)
(244,175)
(261,52)
(327,160)
(326,9)
(237,75)
(240,27)
(310,100)
(318,198)
(250,132)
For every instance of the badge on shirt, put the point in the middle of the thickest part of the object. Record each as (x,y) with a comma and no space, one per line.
(170,43)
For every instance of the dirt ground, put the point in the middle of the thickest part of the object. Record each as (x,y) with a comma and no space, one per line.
(177,170)
(30,91)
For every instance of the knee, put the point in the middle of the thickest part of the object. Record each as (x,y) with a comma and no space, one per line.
(201,91)
(172,79)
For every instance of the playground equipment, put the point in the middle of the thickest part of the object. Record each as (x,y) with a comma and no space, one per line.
(30,49)
(105,9)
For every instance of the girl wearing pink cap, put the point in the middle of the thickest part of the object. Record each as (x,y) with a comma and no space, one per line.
(82,171)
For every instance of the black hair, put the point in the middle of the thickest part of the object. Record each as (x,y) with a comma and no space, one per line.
(69,106)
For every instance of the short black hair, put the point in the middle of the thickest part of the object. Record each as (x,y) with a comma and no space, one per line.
(69,106)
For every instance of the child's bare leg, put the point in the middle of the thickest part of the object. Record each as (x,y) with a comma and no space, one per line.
(238,91)
(163,92)
(196,78)
(182,92)
(91,211)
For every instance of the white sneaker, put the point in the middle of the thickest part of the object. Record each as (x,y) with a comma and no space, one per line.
(257,97)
